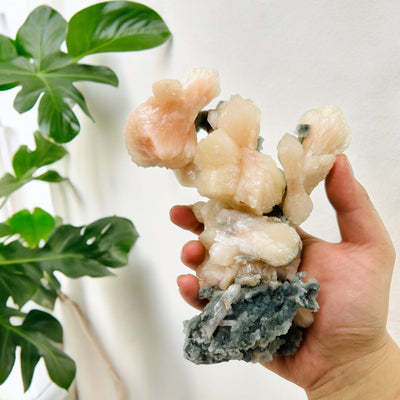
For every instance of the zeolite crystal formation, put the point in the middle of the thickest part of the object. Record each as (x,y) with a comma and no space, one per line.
(259,304)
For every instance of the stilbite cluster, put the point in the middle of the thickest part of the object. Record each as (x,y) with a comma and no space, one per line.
(258,302)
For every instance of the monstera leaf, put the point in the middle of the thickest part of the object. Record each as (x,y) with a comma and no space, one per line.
(35,61)
(75,251)
(27,273)
(115,26)
(39,335)
(27,164)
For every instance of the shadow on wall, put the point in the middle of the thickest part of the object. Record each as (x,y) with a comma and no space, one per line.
(125,312)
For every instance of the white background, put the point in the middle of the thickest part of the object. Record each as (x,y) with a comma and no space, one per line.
(287,56)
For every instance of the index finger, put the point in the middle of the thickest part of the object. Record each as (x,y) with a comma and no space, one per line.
(183,217)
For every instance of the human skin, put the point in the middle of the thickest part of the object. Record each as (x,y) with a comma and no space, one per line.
(347,353)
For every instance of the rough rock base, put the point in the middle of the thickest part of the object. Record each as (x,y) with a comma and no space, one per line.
(249,323)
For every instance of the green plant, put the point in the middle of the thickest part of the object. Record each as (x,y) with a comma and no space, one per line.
(35,244)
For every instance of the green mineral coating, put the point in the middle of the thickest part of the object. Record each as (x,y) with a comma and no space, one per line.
(276,212)
(260,142)
(258,325)
(302,131)
(201,122)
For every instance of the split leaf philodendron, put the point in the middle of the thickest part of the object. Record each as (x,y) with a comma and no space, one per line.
(35,61)
(34,245)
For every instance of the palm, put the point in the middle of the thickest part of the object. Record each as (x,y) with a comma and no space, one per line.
(348,309)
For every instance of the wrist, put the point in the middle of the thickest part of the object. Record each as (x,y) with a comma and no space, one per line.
(373,376)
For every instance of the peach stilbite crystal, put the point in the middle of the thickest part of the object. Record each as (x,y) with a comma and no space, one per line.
(306,160)
(240,118)
(230,169)
(244,246)
(161,131)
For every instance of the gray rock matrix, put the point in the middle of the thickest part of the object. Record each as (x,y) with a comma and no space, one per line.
(249,323)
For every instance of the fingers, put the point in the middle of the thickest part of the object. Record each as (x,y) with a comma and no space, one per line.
(359,222)
(189,290)
(193,254)
(183,217)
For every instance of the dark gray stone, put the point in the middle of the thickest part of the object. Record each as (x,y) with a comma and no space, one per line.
(249,323)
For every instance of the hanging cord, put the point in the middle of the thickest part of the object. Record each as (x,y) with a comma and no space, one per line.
(89,332)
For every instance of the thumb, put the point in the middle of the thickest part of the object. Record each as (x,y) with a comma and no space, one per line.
(358,220)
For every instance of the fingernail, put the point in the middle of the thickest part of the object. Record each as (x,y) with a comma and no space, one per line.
(178,278)
(348,165)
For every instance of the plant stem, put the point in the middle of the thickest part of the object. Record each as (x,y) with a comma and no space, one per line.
(88,330)
(2,204)
(49,257)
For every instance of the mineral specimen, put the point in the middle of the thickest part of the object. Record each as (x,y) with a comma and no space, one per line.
(161,131)
(249,323)
(258,304)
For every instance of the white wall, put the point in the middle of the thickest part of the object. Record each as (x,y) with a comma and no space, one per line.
(286,55)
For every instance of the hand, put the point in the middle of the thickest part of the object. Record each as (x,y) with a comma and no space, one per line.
(347,352)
